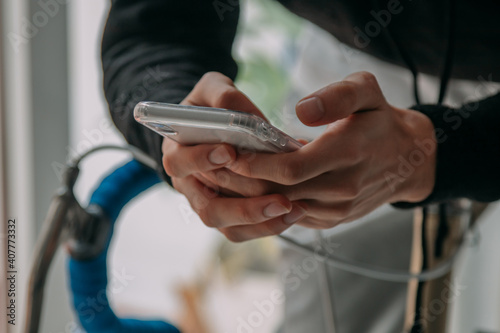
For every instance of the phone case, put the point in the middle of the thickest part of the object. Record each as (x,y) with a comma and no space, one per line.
(190,125)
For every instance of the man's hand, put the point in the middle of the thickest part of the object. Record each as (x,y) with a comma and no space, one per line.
(192,169)
(370,154)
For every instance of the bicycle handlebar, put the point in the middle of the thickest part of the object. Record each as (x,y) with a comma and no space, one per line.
(88,278)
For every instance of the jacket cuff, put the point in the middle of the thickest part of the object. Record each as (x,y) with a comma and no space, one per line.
(468,152)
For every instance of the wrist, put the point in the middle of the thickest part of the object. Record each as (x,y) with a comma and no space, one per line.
(418,157)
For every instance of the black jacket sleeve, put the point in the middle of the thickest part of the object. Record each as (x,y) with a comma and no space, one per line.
(157,50)
(468,151)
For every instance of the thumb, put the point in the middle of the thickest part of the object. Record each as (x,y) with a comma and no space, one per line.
(357,92)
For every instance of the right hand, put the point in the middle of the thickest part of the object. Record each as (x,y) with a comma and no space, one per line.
(192,167)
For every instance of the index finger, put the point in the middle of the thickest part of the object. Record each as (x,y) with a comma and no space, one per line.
(287,168)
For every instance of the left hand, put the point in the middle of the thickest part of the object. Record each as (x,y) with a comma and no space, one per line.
(371,153)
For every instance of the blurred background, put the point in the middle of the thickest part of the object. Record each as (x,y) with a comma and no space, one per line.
(53,108)
(163,257)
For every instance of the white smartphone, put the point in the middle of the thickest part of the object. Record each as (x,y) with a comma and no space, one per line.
(191,125)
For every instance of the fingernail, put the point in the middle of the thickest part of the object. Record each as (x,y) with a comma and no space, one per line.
(219,155)
(295,215)
(275,209)
(311,109)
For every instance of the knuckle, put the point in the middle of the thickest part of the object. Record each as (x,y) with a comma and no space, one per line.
(213,75)
(200,205)
(206,218)
(232,235)
(271,230)
(354,155)
(372,84)
(227,97)
(291,172)
(209,77)
(292,192)
(345,209)
(175,183)
(223,178)
(210,192)
(168,166)
(348,95)
(257,188)
(349,192)
(242,167)
(199,86)
(245,215)
(170,162)
(368,77)
(196,160)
